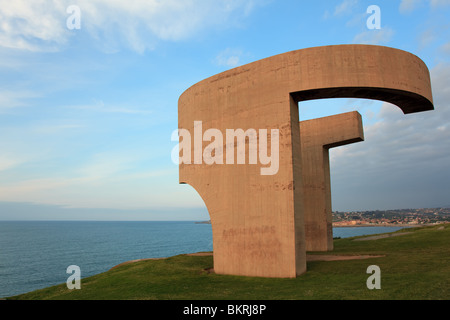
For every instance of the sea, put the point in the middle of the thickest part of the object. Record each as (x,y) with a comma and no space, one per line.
(36,254)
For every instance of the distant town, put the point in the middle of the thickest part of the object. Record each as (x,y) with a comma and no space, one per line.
(423,216)
(400,217)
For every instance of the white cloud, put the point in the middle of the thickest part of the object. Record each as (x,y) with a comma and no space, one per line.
(103,189)
(446,48)
(52,129)
(407,6)
(439,3)
(345,7)
(380,36)
(32,25)
(427,37)
(106,165)
(99,106)
(440,78)
(9,161)
(229,58)
(40,25)
(10,99)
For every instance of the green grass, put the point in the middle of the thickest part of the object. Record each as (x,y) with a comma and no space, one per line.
(415,266)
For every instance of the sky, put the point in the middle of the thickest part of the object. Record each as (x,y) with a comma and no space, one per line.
(89,99)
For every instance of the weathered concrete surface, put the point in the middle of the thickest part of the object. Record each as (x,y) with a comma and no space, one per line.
(317,136)
(258,221)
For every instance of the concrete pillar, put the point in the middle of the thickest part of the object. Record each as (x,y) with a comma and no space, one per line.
(317,137)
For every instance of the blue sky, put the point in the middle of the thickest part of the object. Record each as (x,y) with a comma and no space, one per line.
(86,115)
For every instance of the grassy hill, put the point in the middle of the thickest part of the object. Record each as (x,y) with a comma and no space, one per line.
(414,266)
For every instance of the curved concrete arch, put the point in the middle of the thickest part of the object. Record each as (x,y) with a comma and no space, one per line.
(408,102)
(258,219)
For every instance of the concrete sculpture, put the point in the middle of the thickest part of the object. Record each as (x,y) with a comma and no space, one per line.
(317,136)
(258,217)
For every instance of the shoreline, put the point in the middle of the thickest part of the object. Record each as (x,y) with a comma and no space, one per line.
(401,225)
(382,225)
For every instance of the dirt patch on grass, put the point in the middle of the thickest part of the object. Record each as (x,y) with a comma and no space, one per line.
(329,257)
(382,236)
